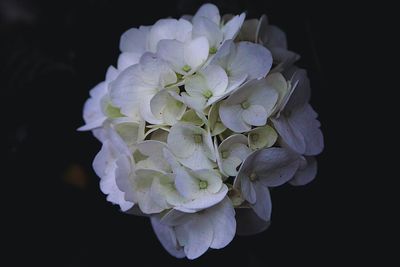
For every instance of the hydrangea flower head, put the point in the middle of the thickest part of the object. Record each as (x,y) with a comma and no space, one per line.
(202,115)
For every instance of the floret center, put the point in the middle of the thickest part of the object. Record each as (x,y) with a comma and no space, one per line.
(203,184)
(186,68)
(198,139)
(245,104)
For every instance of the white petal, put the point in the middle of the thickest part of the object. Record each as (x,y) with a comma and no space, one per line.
(186,184)
(198,160)
(156,72)
(302,91)
(262,137)
(202,26)
(181,139)
(163,192)
(222,217)
(278,82)
(209,11)
(190,116)
(215,122)
(275,166)
(230,165)
(103,160)
(127,59)
(196,103)
(219,159)
(216,79)
(224,54)
(123,93)
(231,117)
(104,165)
(158,103)
(145,110)
(116,143)
(151,147)
(213,179)
(255,115)
(127,130)
(251,59)
(240,150)
(204,201)
(123,177)
(164,106)
(290,136)
(169,29)
(236,148)
(263,206)
(92,111)
(154,159)
(255,92)
(202,116)
(231,29)
(183,30)
(306,174)
(263,95)
(196,52)
(304,120)
(196,236)
(134,40)
(166,235)
(247,188)
(111,74)
(142,184)
(172,52)
(196,85)
(208,146)
(94,118)
(175,217)
(236,80)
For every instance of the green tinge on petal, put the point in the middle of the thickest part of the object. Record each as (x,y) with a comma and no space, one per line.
(262,137)
(137,156)
(129,132)
(279,83)
(191,116)
(112,112)
(207,93)
(155,128)
(225,134)
(218,129)
(160,134)
(215,124)
(213,50)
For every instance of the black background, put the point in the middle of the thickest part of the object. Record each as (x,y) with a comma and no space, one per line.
(53,52)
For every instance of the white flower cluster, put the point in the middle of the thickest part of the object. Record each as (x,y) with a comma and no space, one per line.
(200,118)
